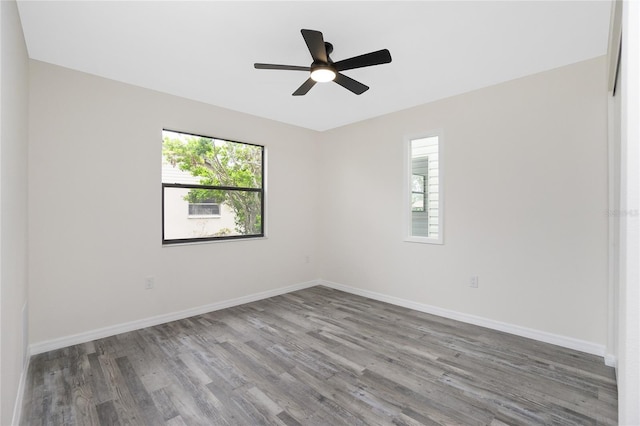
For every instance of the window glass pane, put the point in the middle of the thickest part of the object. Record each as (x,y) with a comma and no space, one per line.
(239,214)
(417,202)
(425,187)
(200,160)
(417,183)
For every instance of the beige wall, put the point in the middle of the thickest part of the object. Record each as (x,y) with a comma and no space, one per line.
(525,199)
(13,205)
(525,205)
(95,196)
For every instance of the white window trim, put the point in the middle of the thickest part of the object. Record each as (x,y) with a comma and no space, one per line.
(407,170)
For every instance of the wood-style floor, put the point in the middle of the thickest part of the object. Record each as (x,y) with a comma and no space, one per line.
(318,357)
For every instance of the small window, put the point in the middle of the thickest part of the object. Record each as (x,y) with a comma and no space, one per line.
(212,189)
(206,208)
(424,189)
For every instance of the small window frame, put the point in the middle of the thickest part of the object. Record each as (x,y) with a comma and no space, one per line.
(408,193)
(203,215)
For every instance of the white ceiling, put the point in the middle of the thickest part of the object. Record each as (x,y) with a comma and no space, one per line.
(205,50)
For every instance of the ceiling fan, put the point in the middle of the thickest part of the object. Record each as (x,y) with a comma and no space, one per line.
(323,69)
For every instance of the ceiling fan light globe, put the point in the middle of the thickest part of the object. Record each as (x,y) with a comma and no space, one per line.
(323,74)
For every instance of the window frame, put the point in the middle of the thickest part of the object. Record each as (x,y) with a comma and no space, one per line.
(407,191)
(261,191)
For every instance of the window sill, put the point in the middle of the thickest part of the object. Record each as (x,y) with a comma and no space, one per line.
(424,240)
(222,240)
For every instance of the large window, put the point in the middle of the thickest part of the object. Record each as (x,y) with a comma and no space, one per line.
(212,189)
(424,189)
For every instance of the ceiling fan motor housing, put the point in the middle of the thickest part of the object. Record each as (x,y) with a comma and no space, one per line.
(329,48)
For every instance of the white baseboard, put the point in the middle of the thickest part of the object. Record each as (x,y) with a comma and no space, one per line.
(17,407)
(62,342)
(542,336)
(611,360)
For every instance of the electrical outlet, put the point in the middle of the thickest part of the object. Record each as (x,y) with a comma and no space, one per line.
(473,282)
(307,259)
(149,283)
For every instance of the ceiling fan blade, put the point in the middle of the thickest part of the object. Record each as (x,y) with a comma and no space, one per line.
(351,84)
(368,59)
(315,43)
(280,67)
(306,86)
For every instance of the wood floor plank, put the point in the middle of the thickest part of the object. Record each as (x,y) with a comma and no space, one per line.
(192,399)
(165,405)
(348,392)
(141,397)
(318,357)
(288,420)
(107,414)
